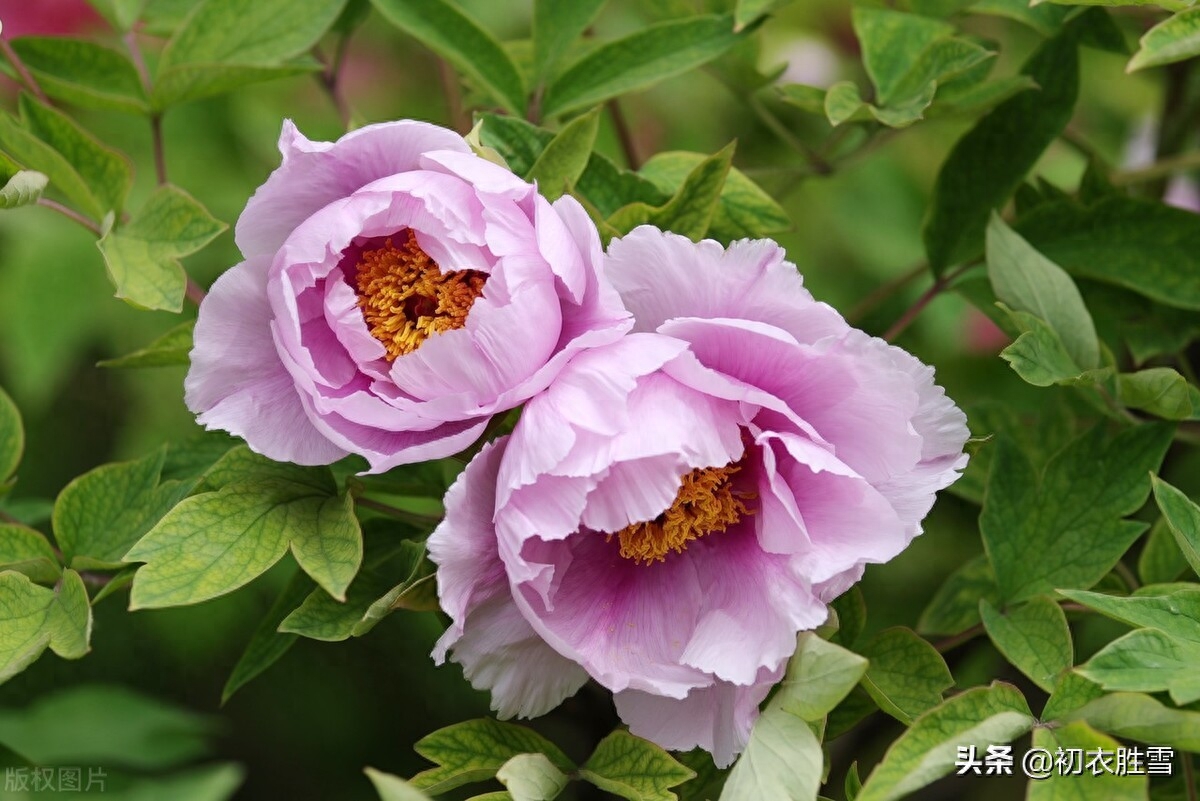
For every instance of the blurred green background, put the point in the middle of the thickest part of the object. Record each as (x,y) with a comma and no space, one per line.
(307,727)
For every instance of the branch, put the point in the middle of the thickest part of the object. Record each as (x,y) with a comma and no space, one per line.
(876,297)
(156,135)
(399,514)
(913,311)
(819,164)
(330,80)
(26,77)
(624,134)
(1159,169)
(70,214)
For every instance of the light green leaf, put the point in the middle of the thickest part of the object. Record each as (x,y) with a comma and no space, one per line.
(1134,716)
(564,159)
(121,14)
(1069,514)
(143,255)
(24,188)
(744,209)
(906,676)
(531,777)
(639,60)
(454,36)
(1046,19)
(1161,559)
(1174,39)
(27,151)
(1148,247)
(83,73)
(1038,355)
(107,725)
(991,160)
(955,606)
(12,437)
(267,646)
(747,11)
(1183,518)
(215,542)
(1034,637)
(690,211)
(633,768)
(26,550)
(223,44)
(1071,692)
(1147,660)
(1170,5)
(783,760)
(1027,281)
(33,618)
(169,350)
(981,716)
(556,26)
(1158,390)
(805,98)
(819,675)
(100,515)
(1176,613)
(393,788)
(474,750)
(1067,786)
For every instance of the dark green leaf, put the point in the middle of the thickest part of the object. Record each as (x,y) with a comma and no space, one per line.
(633,768)
(1039,355)
(981,716)
(690,211)
(955,606)
(169,350)
(454,36)
(473,751)
(1069,514)
(1160,391)
(906,676)
(1183,518)
(639,60)
(1033,637)
(1071,692)
(143,255)
(188,82)
(1044,18)
(992,159)
(84,73)
(565,157)
(747,11)
(1161,559)
(1173,39)
(267,646)
(556,26)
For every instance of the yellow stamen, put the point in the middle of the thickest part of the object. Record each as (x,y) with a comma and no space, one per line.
(406,298)
(706,502)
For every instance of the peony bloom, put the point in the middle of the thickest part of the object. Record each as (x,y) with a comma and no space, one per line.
(677,506)
(397,291)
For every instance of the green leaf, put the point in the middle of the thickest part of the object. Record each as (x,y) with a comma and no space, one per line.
(100,515)
(955,606)
(1068,786)
(1045,18)
(633,768)
(1038,355)
(33,618)
(531,777)
(1147,660)
(743,211)
(747,11)
(121,14)
(393,788)
(143,255)
(474,750)
(783,760)
(139,732)
(1029,282)
(1176,613)
(564,159)
(1033,637)
(1161,559)
(267,646)
(1174,39)
(26,550)
(851,609)
(981,716)
(215,542)
(639,60)
(1071,692)
(819,675)
(556,26)
(1183,518)
(1069,514)
(906,676)
(1148,247)
(690,211)
(1133,716)
(24,188)
(169,350)
(991,160)
(1158,390)
(224,44)
(12,437)
(83,73)
(456,37)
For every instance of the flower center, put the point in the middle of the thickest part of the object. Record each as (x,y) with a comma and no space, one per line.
(406,298)
(707,502)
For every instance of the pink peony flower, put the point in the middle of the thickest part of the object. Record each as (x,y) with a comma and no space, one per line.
(397,291)
(677,506)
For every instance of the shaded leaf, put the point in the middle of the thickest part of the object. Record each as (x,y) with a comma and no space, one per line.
(955,606)
(690,211)
(906,676)
(267,645)
(1183,518)
(169,350)
(1034,637)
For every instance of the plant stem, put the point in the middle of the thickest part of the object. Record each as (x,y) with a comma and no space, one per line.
(1189,777)
(964,636)
(624,134)
(1181,111)
(876,297)
(22,72)
(399,514)
(70,213)
(819,164)
(156,135)
(1159,169)
(1122,570)
(194,292)
(913,311)
(330,80)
